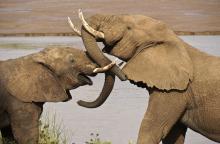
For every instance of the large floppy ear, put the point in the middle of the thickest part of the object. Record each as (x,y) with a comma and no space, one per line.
(166,66)
(32,80)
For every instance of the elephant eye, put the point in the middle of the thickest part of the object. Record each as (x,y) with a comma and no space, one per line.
(129,27)
(72,60)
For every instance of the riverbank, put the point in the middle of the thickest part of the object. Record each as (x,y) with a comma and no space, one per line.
(180,33)
(37,18)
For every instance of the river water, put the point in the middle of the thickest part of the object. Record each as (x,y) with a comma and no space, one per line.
(118,120)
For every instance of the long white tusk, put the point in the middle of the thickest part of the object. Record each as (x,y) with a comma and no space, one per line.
(105,68)
(74,27)
(95,33)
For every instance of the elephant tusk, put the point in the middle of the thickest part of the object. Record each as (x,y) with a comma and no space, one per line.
(105,68)
(74,27)
(95,33)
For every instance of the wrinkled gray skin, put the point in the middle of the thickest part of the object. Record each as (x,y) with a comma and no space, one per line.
(28,82)
(184,83)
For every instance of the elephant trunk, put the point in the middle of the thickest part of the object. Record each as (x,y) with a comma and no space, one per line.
(96,54)
(107,88)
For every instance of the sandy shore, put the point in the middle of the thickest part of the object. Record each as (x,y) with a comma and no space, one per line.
(34,18)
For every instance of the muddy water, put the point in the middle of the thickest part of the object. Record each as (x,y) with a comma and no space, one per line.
(118,120)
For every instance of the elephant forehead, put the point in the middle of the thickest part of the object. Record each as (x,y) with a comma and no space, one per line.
(65,53)
(71,52)
(139,19)
(56,53)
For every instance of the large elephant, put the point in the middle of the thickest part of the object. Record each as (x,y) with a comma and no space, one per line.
(28,82)
(183,82)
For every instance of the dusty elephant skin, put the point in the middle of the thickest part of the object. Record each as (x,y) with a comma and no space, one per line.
(184,83)
(28,82)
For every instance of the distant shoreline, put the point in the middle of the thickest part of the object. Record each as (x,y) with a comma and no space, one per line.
(73,34)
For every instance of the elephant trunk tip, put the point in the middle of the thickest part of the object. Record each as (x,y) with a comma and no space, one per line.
(88,104)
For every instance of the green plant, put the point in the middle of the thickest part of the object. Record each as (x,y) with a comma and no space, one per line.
(96,140)
(131,142)
(1,138)
(50,131)
(6,141)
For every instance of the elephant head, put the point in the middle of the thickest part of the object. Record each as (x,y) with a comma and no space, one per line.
(47,76)
(95,53)
(155,56)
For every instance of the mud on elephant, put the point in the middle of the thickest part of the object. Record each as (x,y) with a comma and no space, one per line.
(184,83)
(26,83)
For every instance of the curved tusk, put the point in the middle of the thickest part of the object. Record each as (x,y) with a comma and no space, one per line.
(74,27)
(105,68)
(95,33)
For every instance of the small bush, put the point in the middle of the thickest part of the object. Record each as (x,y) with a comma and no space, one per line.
(53,132)
(50,132)
(6,141)
(96,140)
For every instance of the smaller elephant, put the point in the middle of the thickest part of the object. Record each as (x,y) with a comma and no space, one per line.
(28,82)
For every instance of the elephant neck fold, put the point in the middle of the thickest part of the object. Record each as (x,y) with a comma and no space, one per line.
(145,46)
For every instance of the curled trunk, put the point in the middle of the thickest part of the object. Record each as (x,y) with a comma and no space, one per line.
(96,54)
(107,88)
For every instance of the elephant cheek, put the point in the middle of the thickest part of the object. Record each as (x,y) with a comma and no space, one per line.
(69,82)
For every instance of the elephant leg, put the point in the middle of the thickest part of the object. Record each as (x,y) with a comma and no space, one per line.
(24,121)
(164,110)
(176,134)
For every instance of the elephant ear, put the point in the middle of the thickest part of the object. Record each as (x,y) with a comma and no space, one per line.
(165,66)
(33,81)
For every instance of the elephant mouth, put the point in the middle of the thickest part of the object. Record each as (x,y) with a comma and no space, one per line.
(69,96)
(85,80)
